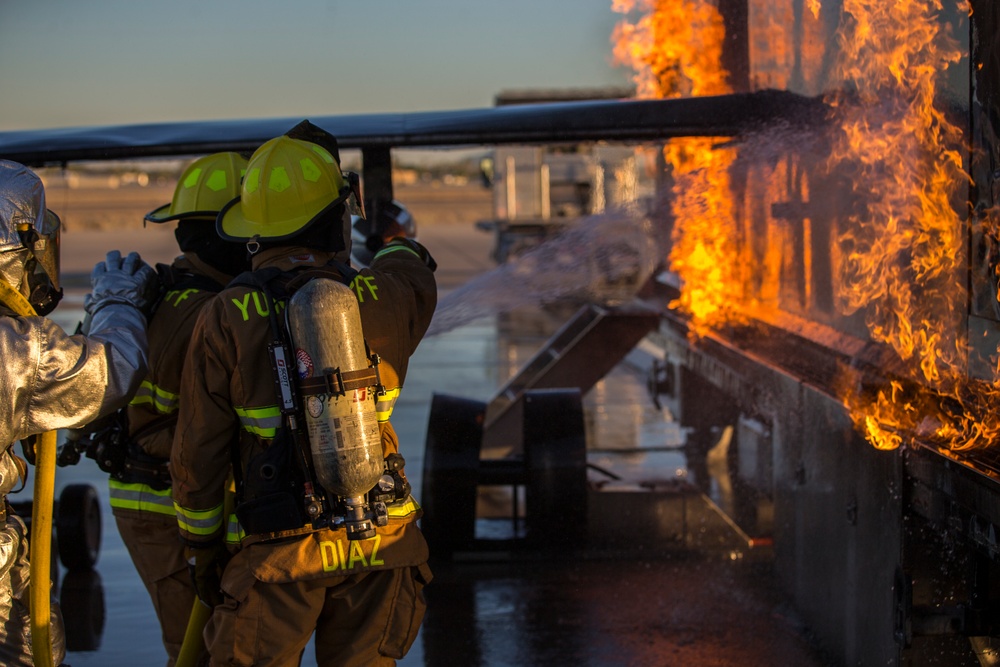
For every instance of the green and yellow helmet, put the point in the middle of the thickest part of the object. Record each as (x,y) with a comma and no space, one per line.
(205,187)
(289,184)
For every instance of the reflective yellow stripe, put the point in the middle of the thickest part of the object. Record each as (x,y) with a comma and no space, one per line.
(393,248)
(402,508)
(163,401)
(263,422)
(234,531)
(386,401)
(140,497)
(202,523)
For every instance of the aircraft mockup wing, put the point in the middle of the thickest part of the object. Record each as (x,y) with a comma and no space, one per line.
(612,120)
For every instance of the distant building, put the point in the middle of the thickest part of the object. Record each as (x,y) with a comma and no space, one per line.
(539,189)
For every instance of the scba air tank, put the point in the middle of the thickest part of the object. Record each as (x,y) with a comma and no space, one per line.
(337,387)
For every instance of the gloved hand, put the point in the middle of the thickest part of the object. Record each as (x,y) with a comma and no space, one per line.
(206,563)
(115,280)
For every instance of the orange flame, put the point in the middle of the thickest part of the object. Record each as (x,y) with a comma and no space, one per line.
(675,48)
(903,251)
(900,253)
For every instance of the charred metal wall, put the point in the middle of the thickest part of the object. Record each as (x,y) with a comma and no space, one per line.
(837,503)
(838,526)
(984,167)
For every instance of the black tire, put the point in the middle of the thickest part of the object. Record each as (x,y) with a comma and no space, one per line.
(78,527)
(451,464)
(555,453)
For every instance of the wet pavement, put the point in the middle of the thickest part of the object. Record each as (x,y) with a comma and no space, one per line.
(674,582)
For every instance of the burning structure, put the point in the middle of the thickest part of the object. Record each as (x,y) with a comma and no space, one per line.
(830,296)
(832,301)
(829,307)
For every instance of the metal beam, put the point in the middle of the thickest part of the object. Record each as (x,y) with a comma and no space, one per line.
(593,120)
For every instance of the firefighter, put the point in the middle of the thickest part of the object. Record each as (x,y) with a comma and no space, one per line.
(140,479)
(300,557)
(53,380)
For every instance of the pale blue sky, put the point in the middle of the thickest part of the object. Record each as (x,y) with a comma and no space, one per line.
(66,63)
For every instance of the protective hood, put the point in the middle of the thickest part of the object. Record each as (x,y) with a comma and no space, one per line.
(22,203)
(29,237)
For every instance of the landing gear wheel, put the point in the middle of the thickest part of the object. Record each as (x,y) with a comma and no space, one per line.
(555,456)
(78,527)
(451,463)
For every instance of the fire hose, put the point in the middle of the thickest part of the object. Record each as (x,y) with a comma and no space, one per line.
(41,519)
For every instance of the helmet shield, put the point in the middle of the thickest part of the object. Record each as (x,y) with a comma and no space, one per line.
(41,271)
(46,246)
(357,205)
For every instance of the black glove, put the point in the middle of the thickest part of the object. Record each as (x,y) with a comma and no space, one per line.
(206,563)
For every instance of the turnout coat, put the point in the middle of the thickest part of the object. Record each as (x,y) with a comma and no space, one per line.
(230,414)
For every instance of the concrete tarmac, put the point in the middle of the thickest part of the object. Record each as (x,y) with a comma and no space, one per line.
(638,602)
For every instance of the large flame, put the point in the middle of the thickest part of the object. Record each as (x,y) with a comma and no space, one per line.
(675,48)
(900,255)
(903,256)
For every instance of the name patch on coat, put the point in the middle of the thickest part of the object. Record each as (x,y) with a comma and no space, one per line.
(344,555)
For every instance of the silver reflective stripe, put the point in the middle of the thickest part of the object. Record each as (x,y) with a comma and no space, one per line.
(263,422)
(140,497)
(203,523)
(234,532)
(163,401)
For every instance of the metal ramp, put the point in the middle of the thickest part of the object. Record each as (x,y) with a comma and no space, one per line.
(578,355)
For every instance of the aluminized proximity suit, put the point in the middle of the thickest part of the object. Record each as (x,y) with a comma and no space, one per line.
(140,498)
(363,598)
(51,380)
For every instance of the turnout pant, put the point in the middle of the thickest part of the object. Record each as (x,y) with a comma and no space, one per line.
(157,552)
(365,619)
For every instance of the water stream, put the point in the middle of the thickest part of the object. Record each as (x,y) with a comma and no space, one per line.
(602,259)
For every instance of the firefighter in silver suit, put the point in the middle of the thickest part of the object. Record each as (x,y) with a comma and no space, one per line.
(51,380)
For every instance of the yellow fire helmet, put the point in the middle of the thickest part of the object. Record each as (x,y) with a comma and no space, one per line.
(288,185)
(207,184)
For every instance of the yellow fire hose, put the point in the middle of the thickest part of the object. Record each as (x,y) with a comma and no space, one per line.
(40,568)
(41,549)
(194,643)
